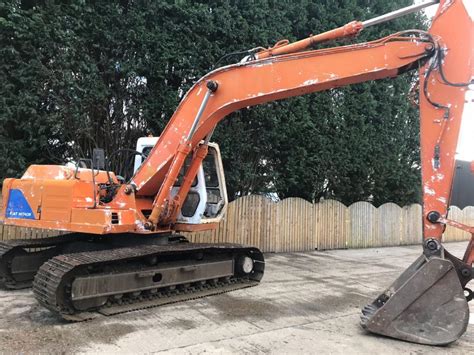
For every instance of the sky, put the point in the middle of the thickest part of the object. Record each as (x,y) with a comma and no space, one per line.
(465,149)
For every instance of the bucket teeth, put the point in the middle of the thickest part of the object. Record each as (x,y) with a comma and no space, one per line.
(367,313)
(369,310)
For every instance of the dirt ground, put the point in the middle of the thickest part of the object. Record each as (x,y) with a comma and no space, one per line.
(306,303)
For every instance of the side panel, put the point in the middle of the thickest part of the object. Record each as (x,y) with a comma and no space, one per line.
(57,200)
(18,206)
(22,199)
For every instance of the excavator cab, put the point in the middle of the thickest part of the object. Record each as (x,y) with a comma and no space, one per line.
(206,201)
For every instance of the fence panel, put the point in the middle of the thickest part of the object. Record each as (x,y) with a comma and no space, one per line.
(364,225)
(391,220)
(412,228)
(332,225)
(454,234)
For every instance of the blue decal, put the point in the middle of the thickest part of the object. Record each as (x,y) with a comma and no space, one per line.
(17,206)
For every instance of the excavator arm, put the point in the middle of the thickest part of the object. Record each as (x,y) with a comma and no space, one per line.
(443,83)
(428,303)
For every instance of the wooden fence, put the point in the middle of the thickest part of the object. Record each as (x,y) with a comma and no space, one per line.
(297,225)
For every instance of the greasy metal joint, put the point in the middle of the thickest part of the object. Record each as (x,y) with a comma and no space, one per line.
(433,216)
(466,272)
(149,226)
(129,189)
(432,244)
(432,247)
(212,85)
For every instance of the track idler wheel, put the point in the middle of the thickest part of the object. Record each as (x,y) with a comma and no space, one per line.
(425,305)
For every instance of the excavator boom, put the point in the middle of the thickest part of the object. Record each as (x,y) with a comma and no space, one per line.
(209,101)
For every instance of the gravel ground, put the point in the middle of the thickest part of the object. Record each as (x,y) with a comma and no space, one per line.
(306,303)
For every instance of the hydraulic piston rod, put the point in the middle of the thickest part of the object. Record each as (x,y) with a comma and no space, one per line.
(399,13)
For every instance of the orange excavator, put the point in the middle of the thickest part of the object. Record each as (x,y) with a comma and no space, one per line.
(120,249)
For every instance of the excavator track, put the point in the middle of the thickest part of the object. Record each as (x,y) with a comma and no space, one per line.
(81,286)
(21,258)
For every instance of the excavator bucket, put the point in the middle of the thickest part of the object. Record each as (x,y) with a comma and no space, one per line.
(425,305)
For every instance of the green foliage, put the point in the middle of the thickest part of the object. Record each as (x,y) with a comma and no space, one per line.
(80,74)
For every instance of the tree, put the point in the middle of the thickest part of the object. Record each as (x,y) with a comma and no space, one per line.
(81,74)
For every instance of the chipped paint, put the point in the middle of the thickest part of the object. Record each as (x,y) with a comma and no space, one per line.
(260,64)
(139,225)
(258,94)
(429,191)
(448,4)
(311,82)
